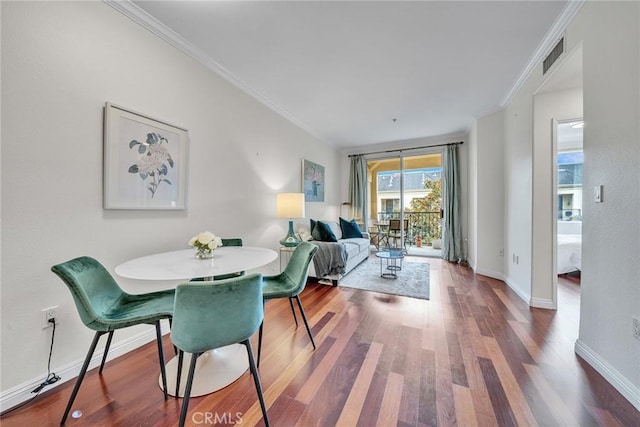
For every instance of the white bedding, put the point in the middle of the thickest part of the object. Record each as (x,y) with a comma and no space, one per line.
(569,253)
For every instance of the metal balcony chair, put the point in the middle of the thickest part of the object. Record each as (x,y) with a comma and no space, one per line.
(289,284)
(379,236)
(210,315)
(104,307)
(399,235)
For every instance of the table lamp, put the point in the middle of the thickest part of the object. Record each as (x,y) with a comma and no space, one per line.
(290,205)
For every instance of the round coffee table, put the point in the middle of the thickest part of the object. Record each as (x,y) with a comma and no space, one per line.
(390,264)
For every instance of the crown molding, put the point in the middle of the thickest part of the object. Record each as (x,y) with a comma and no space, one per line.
(550,39)
(151,24)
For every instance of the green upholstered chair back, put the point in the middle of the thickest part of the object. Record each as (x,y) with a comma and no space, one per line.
(94,290)
(232,242)
(297,270)
(208,315)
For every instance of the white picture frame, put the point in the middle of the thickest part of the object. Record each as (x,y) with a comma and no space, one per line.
(145,161)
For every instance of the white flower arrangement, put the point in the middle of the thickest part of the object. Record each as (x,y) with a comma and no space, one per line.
(205,242)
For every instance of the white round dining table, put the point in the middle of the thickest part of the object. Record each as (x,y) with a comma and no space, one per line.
(217,368)
(183,265)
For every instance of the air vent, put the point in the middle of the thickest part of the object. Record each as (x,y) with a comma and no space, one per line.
(553,56)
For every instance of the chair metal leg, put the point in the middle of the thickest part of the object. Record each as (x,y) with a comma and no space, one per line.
(106,350)
(256,381)
(260,341)
(304,317)
(83,371)
(175,349)
(179,373)
(187,390)
(163,371)
(293,311)
(264,304)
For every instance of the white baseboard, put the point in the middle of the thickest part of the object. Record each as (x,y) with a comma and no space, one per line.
(617,380)
(490,273)
(513,286)
(542,303)
(532,302)
(22,392)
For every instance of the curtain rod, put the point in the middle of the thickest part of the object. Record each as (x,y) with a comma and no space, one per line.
(407,149)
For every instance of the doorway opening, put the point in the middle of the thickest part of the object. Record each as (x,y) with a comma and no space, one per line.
(558,101)
(569,198)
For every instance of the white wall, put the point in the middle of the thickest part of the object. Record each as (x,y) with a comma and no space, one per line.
(472,256)
(61,61)
(610,230)
(490,195)
(518,131)
(609,32)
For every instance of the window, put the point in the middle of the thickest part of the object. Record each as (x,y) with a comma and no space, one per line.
(570,185)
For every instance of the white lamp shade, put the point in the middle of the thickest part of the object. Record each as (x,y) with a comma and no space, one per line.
(290,205)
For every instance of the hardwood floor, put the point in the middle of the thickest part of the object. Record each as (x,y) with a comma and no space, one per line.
(473,355)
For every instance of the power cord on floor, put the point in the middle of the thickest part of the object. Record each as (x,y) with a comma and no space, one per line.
(51,376)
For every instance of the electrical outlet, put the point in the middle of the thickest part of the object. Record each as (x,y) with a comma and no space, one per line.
(47,314)
(636,327)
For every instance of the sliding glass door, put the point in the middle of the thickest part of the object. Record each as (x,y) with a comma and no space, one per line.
(405,202)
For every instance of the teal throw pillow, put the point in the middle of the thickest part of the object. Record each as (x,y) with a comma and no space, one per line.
(312,226)
(322,232)
(350,229)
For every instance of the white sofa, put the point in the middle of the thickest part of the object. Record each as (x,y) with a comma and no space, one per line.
(357,249)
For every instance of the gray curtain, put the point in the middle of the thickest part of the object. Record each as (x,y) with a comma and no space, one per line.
(358,187)
(452,233)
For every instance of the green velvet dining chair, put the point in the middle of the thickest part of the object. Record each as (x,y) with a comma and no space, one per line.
(210,315)
(225,242)
(289,284)
(104,307)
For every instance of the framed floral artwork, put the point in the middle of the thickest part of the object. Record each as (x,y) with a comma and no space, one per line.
(145,161)
(312,181)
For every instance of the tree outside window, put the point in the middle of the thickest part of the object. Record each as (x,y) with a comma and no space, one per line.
(428,224)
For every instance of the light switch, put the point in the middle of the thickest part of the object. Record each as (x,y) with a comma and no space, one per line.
(597,194)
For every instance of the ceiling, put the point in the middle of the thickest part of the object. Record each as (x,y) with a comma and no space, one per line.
(356,73)
(570,135)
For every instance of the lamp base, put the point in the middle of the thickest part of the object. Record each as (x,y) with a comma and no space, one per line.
(289,243)
(290,239)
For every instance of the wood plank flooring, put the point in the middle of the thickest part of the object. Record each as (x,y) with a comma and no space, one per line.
(473,355)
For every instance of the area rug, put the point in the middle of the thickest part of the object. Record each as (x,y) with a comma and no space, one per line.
(412,281)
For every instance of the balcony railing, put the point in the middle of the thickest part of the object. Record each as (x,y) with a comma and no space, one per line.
(428,225)
(570,214)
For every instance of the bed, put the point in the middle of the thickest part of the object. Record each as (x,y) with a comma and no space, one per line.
(569,246)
